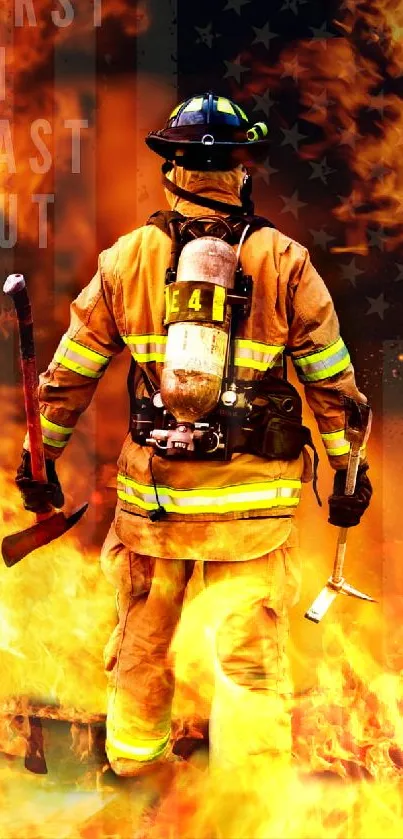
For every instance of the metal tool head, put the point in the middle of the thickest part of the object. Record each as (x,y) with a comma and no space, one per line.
(353,592)
(321,604)
(18,545)
(358,422)
(328,594)
(13,284)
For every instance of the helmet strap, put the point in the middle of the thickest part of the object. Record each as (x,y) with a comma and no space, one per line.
(203,201)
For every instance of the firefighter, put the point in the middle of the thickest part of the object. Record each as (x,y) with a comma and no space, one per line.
(233,513)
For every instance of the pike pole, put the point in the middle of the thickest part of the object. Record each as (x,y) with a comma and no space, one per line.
(48,525)
(356,433)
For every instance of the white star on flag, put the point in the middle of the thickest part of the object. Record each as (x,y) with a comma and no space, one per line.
(263,102)
(235,5)
(292,137)
(350,271)
(206,35)
(376,237)
(234,70)
(320,170)
(378,102)
(349,137)
(292,204)
(321,238)
(292,5)
(320,104)
(321,34)
(378,305)
(399,275)
(292,69)
(264,35)
(265,171)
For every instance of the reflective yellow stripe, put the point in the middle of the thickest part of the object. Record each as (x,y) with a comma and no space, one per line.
(75,367)
(55,435)
(256,355)
(218,302)
(335,443)
(147,347)
(323,364)
(60,429)
(136,749)
(85,351)
(175,111)
(195,104)
(224,106)
(255,496)
(257,131)
(57,444)
(243,115)
(80,359)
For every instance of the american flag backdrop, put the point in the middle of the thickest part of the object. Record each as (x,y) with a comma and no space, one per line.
(81,85)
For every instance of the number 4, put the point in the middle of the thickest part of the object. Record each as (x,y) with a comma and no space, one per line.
(194,302)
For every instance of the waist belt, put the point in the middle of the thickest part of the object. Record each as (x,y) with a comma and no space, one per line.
(272,429)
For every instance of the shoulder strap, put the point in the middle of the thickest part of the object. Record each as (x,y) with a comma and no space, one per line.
(162,219)
(168,221)
(174,225)
(247,225)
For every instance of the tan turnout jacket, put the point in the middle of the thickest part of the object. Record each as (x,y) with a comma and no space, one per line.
(209,504)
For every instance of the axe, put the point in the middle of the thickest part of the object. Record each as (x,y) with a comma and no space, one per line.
(357,432)
(48,525)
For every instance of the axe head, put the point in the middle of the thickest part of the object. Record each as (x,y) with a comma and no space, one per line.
(18,545)
(321,604)
(325,599)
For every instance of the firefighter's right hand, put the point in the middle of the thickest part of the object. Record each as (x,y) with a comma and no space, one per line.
(39,497)
(346,510)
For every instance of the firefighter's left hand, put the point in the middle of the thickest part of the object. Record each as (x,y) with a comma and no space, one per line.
(39,497)
(346,510)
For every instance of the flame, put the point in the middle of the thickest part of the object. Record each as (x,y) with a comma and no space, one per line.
(56,610)
(349,89)
(56,615)
(53,607)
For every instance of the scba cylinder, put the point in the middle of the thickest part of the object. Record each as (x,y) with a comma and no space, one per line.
(196,348)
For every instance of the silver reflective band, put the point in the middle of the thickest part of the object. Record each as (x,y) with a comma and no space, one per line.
(323,364)
(256,355)
(277,493)
(80,359)
(146,347)
(55,435)
(134,749)
(335,442)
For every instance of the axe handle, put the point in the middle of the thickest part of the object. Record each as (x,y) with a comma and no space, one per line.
(15,287)
(351,480)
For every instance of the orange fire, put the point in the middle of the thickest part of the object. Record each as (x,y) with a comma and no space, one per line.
(56,610)
(56,614)
(349,88)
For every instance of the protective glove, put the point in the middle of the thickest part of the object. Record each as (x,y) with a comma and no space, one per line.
(38,497)
(346,510)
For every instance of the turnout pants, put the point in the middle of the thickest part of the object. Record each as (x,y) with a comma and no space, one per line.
(249,714)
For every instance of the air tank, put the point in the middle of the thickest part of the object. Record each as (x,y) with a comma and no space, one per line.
(192,374)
